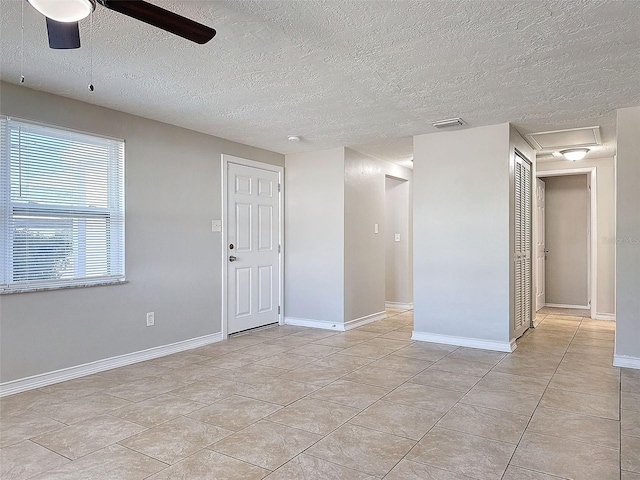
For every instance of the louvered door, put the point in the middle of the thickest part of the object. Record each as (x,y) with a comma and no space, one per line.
(522,254)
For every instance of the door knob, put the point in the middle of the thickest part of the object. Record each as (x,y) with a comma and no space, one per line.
(232,258)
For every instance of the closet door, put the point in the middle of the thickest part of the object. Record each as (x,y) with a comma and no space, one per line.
(522,254)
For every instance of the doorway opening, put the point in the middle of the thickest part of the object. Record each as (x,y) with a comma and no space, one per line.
(566,240)
(398,238)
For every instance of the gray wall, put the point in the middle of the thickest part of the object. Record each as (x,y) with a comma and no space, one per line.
(173,260)
(399,285)
(364,206)
(314,235)
(462,256)
(335,263)
(606,213)
(628,234)
(566,222)
(364,250)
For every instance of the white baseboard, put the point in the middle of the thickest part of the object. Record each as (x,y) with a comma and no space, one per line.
(312,323)
(562,305)
(358,322)
(399,306)
(57,376)
(464,342)
(606,316)
(337,326)
(626,362)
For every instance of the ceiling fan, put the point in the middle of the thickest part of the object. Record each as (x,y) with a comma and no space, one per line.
(63,16)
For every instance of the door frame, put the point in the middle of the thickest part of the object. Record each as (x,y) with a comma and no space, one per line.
(592,258)
(226,160)
(518,152)
(534,240)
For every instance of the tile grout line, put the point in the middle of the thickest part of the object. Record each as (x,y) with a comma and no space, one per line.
(307,395)
(538,404)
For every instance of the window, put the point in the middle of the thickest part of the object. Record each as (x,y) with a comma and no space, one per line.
(62,208)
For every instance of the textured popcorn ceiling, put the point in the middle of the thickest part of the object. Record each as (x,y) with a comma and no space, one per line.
(397,150)
(349,72)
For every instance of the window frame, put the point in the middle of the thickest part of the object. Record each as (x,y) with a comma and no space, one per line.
(76,214)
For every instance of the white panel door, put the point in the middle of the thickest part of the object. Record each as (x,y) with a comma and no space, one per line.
(252,247)
(541,253)
(522,254)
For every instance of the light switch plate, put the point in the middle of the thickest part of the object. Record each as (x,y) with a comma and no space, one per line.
(375,228)
(397,237)
(216,225)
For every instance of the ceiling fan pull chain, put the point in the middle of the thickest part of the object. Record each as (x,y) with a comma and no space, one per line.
(22,43)
(91,54)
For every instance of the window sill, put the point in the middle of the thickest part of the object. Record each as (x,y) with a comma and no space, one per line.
(62,287)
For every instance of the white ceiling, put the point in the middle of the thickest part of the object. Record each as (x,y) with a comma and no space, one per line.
(349,72)
(397,150)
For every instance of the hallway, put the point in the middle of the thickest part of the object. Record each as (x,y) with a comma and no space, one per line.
(292,402)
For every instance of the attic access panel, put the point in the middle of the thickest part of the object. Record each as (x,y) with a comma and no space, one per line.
(568,138)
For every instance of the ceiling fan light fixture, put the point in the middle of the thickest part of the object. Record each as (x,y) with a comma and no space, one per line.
(64,10)
(574,154)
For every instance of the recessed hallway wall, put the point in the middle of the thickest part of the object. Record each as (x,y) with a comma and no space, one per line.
(398,251)
(567,222)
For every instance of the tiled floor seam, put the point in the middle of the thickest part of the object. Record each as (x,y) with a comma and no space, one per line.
(143,454)
(329,433)
(540,400)
(329,461)
(362,410)
(209,447)
(425,434)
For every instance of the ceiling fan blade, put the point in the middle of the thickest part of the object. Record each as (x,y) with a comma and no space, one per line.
(63,35)
(163,19)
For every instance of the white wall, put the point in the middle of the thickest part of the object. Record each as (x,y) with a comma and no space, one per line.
(398,255)
(335,263)
(462,255)
(364,274)
(605,191)
(628,238)
(566,228)
(173,261)
(314,236)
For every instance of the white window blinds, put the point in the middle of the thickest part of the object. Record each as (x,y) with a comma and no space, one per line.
(62,201)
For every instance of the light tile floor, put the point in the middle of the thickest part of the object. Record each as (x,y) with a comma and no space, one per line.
(298,403)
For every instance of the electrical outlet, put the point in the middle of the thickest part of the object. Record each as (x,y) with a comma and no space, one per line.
(151,321)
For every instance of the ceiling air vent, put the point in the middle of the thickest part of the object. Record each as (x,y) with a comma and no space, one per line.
(569,138)
(451,122)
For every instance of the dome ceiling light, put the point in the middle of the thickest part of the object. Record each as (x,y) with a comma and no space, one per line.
(574,154)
